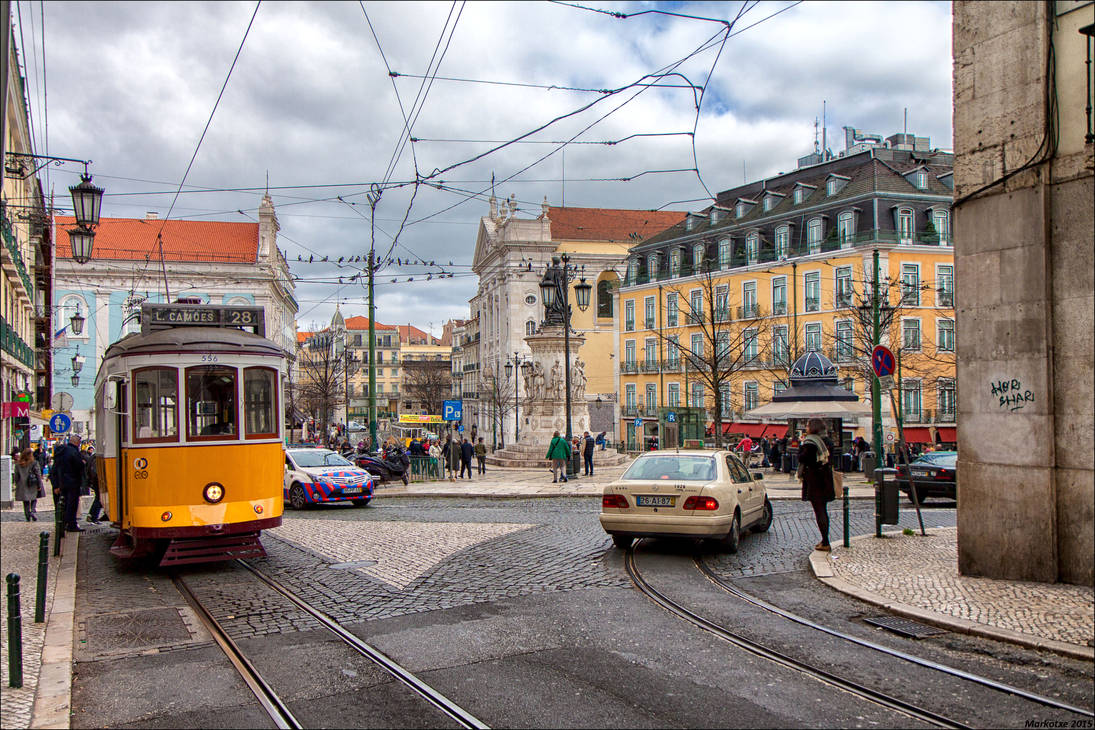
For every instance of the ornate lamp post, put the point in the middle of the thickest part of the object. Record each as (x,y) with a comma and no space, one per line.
(525,366)
(555,291)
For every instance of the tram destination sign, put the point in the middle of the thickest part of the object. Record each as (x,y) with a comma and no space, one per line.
(165,316)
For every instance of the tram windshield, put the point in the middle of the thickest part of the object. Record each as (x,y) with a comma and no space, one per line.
(211,402)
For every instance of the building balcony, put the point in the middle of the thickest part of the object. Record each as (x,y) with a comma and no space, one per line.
(945,299)
(631,410)
(13,344)
(779,308)
(912,417)
(629,325)
(748,311)
(813,304)
(649,323)
(629,367)
(722,314)
(671,366)
(650,411)
(946,416)
(693,318)
(650,366)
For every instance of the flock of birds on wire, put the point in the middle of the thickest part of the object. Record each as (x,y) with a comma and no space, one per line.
(348,260)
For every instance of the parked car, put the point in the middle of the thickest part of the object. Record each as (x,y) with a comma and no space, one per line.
(934,475)
(314,476)
(692,494)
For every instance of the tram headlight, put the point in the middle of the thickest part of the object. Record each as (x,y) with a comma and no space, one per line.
(165,517)
(213,492)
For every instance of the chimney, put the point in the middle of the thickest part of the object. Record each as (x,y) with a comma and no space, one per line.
(152,215)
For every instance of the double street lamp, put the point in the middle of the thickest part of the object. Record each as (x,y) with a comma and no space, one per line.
(555,291)
(526,367)
(87,202)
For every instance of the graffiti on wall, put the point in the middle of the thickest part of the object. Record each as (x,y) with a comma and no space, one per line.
(1011,394)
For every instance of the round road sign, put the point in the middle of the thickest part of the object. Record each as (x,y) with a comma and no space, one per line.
(883,361)
(59,423)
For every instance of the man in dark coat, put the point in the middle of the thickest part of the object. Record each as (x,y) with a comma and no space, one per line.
(816,472)
(587,453)
(67,477)
(467,452)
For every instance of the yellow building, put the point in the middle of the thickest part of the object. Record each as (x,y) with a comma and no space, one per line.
(780,266)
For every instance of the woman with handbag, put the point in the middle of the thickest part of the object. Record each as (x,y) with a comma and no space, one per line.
(29,485)
(816,473)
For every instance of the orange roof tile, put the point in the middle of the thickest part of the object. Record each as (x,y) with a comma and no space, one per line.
(410,334)
(608,224)
(134,239)
(362,323)
(303,336)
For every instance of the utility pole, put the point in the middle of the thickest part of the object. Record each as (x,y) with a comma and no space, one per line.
(374,198)
(876,391)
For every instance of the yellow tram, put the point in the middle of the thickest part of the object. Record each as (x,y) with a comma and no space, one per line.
(189,424)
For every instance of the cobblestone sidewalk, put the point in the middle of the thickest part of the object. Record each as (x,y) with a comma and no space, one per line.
(922,572)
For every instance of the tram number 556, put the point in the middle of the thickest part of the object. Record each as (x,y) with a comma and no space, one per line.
(209,357)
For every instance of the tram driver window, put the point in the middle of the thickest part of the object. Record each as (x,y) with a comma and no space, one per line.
(260,401)
(155,395)
(211,402)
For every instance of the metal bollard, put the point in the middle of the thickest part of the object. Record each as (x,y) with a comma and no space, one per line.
(847,516)
(58,525)
(43,572)
(15,633)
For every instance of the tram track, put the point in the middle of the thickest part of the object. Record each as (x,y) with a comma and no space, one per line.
(854,688)
(269,700)
(1003,687)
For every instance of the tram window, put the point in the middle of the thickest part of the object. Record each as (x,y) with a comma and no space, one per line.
(211,403)
(155,404)
(260,401)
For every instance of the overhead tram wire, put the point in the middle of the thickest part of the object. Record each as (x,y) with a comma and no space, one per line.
(549,87)
(209,121)
(606,143)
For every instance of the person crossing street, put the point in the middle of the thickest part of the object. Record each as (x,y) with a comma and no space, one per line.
(558,452)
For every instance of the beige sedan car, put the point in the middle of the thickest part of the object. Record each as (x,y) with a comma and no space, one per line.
(695,494)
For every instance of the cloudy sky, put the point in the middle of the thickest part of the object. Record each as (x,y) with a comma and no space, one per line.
(311,103)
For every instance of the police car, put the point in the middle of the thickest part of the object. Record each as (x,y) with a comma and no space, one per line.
(316,476)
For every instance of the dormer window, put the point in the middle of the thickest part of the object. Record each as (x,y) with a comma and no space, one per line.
(715,215)
(739,211)
(743,207)
(652,265)
(802,192)
(922,180)
(947,179)
(771,200)
(675,262)
(697,255)
(689,222)
(834,184)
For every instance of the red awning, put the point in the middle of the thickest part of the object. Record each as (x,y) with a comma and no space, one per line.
(755,430)
(946,434)
(918,435)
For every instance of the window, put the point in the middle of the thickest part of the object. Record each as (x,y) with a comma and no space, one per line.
(604,299)
(944,277)
(843,336)
(944,335)
(941,221)
(779,295)
(696,305)
(910,334)
(722,303)
(675,262)
(652,266)
(697,345)
(724,400)
(769,202)
(722,345)
(648,312)
(813,337)
(673,352)
(724,253)
(845,227)
(813,291)
(946,400)
(697,256)
(632,270)
(629,353)
(673,395)
(922,180)
(651,397)
(749,306)
(800,194)
(749,345)
(260,402)
(752,247)
(814,232)
(783,241)
(629,315)
(910,284)
(834,185)
(910,399)
(211,403)
(715,215)
(530,327)
(844,286)
(739,210)
(651,350)
(905,228)
(780,350)
(751,396)
(671,310)
(778,387)
(629,396)
(697,395)
(155,405)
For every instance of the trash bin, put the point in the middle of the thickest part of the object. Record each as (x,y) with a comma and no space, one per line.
(846,462)
(574,464)
(794,462)
(785,464)
(886,495)
(870,463)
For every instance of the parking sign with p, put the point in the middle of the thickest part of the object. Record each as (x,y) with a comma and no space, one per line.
(452,410)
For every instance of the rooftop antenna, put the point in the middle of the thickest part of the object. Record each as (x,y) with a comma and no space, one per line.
(267,182)
(824,131)
(816,149)
(905,127)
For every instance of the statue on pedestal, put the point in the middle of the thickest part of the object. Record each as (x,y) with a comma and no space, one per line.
(578,379)
(557,381)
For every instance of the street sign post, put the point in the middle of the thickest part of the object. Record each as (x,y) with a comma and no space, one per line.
(883,361)
(61,401)
(886,382)
(60,423)
(671,417)
(638,423)
(452,410)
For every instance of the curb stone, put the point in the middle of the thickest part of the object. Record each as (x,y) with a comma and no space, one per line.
(53,702)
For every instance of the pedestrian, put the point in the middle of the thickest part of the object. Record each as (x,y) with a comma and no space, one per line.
(774,455)
(68,478)
(587,453)
(91,478)
(467,451)
(600,440)
(746,448)
(435,458)
(29,484)
(558,452)
(481,455)
(451,452)
(816,473)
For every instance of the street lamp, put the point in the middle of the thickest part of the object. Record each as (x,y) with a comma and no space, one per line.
(76,322)
(87,202)
(554,290)
(78,361)
(75,380)
(525,367)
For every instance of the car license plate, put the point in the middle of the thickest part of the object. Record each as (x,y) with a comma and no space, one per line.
(351,490)
(654,500)
(921,472)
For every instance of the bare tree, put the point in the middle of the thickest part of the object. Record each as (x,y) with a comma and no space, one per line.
(428,382)
(496,394)
(321,386)
(723,339)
